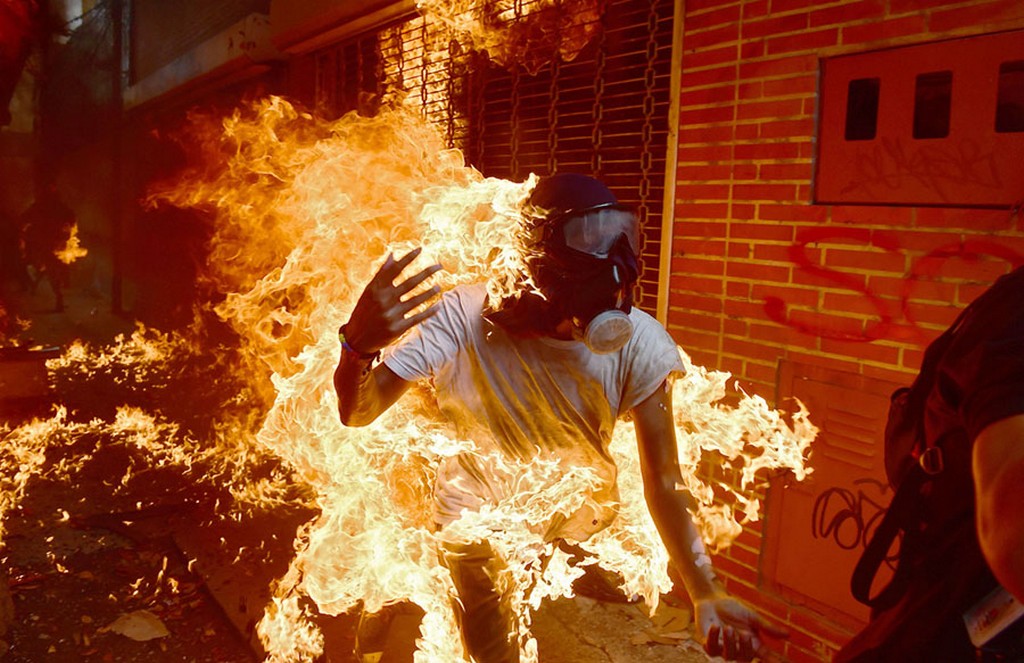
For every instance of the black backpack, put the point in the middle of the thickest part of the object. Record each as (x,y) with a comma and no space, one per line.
(939,569)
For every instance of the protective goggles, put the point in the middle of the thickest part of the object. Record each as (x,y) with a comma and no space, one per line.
(594,231)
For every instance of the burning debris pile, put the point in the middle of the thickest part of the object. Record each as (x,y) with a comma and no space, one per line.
(178,407)
(80,487)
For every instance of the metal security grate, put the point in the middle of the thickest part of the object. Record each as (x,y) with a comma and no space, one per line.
(347,77)
(604,112)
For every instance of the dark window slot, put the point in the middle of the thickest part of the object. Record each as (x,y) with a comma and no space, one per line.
(933,96)
(1010,101)
(862,109)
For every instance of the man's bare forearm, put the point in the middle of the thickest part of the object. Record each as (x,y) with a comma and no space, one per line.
(670,510)
(359,396)
(669,506)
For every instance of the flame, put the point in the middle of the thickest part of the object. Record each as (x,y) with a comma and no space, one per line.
(54,448)
(529,34)
(23,453)
(11,326)
(287,628)
(305,211)
(72,249)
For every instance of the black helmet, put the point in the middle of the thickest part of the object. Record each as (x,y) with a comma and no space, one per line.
(578,212)
(568,194)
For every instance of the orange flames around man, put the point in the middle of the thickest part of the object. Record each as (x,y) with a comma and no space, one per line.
(305,212)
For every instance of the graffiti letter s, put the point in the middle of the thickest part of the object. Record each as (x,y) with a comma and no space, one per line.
(775,307)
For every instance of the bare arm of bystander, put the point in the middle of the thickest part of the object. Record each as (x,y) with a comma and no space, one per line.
(999,493)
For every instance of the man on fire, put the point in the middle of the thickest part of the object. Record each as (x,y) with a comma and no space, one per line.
(544,376)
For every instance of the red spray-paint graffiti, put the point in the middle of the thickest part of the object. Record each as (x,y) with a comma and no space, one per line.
(921,269)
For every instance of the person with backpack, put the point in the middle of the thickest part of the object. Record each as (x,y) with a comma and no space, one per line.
(954,452)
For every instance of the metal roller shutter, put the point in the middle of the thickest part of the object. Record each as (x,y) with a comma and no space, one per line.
(604,113)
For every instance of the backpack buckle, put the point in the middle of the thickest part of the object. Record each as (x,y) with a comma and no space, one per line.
(931,460)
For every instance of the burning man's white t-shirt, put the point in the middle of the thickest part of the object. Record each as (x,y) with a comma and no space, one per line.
(539,403)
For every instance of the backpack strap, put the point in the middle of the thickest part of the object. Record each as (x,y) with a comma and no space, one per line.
(918,461)
(903,509)
(990,305)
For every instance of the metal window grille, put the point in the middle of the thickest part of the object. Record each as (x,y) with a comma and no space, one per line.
(603,113)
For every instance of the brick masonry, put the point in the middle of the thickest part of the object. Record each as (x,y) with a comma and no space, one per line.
(761,275)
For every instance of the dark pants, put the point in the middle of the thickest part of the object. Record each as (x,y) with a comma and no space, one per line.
(485,617)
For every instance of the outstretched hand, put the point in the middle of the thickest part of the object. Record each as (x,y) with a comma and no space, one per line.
(381,315)
(733,630)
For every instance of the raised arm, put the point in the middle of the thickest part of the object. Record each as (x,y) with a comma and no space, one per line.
(999,492)
(727,626)
(380,316)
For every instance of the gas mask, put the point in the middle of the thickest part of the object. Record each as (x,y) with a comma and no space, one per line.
(582,260)
(586,269)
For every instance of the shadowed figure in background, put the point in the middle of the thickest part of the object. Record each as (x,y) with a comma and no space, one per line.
(45,229)
(541,377)
(13,274)
(954,452)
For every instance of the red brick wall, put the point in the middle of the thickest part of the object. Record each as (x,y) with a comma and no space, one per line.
(749,284)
